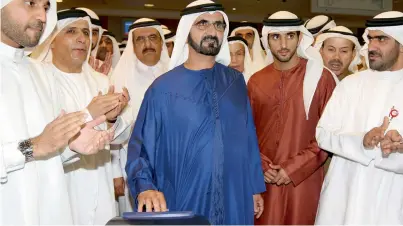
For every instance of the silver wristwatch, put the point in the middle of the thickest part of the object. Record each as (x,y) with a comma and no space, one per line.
(26,148)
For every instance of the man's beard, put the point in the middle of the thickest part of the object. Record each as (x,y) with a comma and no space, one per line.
(212,49)
(17,32)
(284,59)
(101,55)
(383,64)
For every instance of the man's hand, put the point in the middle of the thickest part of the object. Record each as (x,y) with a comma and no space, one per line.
(375,135)
(282,177)
(152,200)
(119,185)
(57,133)
(392,142)
(106,65)
(102,104)
(124,99)
(269,175)
(258,205)
(89,141)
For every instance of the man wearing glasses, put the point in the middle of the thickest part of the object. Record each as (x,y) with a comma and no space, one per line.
(145,58)
(194,145)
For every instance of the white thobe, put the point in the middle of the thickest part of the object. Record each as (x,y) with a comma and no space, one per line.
(30,193)
(89,180)
(137,85)
(361,186)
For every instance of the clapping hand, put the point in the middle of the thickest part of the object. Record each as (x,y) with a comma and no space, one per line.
(392,142)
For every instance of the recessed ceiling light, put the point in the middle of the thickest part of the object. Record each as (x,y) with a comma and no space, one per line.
(59,0)
(148,5)
(234,9)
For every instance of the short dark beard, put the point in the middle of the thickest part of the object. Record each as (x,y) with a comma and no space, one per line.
(385,64)
(285,60)
(17,32)
(101,54)
(213,48)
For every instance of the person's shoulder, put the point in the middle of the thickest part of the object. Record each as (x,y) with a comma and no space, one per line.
(168,77)
(101,79)
(261,74)
(229,72)
(99,76)
(355,78)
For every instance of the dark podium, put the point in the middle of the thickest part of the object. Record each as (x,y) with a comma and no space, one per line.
(167,218)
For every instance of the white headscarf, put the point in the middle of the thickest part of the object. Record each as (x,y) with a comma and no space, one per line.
(258,58)
(51,20)
(180,52)
(122,46)
(391,23)
(314,67)
(43,52)
(168,34)
(116,49)
(342,32)
(249,70)
(94,20)
(319,23)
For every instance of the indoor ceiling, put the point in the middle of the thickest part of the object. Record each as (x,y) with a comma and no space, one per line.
(238,10)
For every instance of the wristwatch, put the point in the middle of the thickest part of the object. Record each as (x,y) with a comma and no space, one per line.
(26,148)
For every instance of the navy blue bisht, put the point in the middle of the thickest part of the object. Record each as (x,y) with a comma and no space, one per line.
(195,141)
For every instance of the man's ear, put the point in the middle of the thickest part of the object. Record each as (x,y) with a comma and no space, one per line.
(300,38)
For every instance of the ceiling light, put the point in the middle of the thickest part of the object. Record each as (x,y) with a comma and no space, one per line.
(234,9)
(59,0)
(148,5)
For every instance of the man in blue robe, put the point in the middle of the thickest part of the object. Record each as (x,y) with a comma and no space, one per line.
(194,145)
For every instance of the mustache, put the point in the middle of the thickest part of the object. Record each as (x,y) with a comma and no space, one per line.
(36,25)
(374,53)
(335,61)
(102,49)
(148,49)
(210,38)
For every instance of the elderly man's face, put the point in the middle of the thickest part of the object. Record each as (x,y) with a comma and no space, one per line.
(72,44)
(283,45)
(105,47)
(237,51)
(383,51)
(337,54)
(23,22)
(248,35)
(207,33)
(147,43)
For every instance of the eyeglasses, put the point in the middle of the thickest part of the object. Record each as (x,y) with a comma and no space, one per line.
(141,40)
(204,25)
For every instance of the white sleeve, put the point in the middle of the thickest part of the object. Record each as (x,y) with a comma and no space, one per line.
(115,160)
(331,136)
(69,157)
(392,163)
(11,159)
(123,129)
